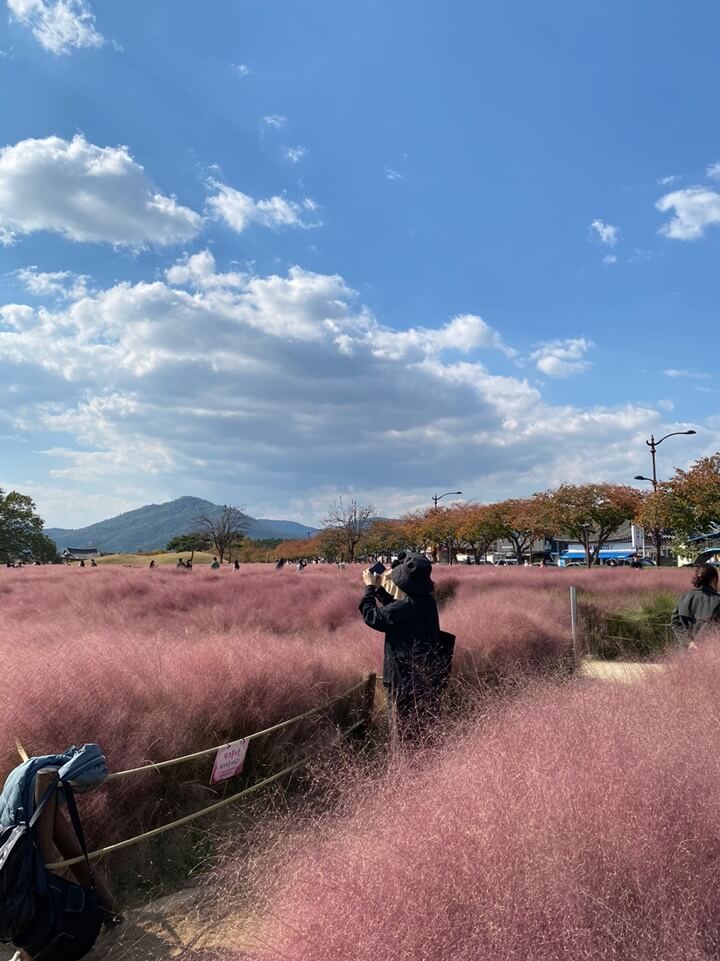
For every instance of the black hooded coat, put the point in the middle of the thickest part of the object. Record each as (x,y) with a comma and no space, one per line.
(412,635)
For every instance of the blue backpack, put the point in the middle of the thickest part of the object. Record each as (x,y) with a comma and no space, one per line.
(47,916)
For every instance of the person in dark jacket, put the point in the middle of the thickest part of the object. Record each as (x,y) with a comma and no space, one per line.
(698,608)
(412,632)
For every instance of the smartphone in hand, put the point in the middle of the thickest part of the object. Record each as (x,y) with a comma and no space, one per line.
(377,568)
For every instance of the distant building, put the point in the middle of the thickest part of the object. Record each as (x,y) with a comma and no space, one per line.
(79,554)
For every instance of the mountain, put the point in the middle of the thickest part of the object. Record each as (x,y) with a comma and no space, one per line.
(149,528)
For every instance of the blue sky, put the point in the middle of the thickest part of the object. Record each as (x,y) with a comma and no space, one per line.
(272,253)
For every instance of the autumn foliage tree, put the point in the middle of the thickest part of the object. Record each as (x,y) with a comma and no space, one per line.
(521,521)
(590,513)
(479,526)
(434,529)
(383,538)
(687,504)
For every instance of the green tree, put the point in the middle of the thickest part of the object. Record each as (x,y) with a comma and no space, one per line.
(21,530)
(195,541)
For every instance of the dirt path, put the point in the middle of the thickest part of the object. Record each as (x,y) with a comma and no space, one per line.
(618,672)
(177,926)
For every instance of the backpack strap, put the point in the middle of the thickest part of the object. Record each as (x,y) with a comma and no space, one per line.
(43,804)
(77,826)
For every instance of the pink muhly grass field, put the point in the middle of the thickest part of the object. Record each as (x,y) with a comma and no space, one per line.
(576,823)
(154,664)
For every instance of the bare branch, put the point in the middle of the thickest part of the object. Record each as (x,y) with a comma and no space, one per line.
(224,528)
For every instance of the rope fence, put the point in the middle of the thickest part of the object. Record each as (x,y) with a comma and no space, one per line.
(365,710)
(158,765)
(111,848)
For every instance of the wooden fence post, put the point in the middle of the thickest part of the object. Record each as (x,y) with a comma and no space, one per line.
(574,624)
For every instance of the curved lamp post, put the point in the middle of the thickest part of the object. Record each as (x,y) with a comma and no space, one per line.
(653,445)
(439,497)
(435,499)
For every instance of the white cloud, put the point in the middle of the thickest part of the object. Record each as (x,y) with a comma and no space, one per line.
(669,180)
(695,208)
(59,284)
(199,272)
(239,210)
(713,171)
(692,374)
(285,384)
(295,154)
(609,259)
(393,174)
(275,120)
(666,405)
(58,25)
(241,70)
(563,358)
(607,234)
(87,194)
(288,388)
(464,334)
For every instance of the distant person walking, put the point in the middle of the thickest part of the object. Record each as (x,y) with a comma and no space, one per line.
(236,564)
(697,609)
(215,566)
(412,638)
(152,563)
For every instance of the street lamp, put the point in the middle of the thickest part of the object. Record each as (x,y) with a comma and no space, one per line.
(653,445)
(439,497)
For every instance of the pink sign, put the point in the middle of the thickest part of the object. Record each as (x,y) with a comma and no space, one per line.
(229,761)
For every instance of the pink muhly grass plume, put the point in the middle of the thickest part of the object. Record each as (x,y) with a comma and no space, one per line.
(574,823)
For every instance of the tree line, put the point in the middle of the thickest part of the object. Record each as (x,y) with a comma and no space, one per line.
(686,505)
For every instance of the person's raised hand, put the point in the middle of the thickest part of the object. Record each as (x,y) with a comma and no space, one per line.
(370,579)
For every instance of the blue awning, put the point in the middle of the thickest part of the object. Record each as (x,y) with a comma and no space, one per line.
(604,555)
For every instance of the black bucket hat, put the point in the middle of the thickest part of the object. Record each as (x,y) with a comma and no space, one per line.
(413,575)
